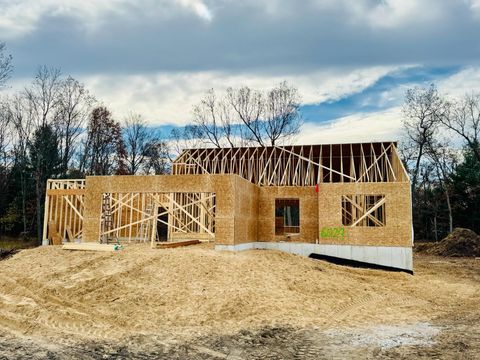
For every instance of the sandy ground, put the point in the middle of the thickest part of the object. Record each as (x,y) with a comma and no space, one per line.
(198,303)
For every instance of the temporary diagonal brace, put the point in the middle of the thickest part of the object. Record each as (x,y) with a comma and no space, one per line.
(190,216)
(369,211)
(354,204)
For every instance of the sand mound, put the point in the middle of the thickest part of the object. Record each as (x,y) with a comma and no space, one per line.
(196,290)
(460,242)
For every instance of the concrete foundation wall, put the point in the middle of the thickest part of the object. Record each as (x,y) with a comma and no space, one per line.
(390,256)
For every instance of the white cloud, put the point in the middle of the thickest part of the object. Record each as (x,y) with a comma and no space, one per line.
(198,7)
(169,97)
(475,7)
(384,13)
(371,127)
(395,13)
(464,81)
(21,17)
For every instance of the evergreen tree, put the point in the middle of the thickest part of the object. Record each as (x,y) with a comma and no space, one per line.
(44,163)
(104,152)
(466,192)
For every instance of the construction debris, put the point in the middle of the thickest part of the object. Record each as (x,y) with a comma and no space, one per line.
(169,245)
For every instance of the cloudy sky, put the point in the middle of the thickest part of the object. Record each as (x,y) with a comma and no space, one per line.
(351,60)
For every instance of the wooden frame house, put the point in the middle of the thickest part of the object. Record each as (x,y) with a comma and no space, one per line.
(347,201)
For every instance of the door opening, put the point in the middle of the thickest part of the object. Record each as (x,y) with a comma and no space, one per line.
(162,225)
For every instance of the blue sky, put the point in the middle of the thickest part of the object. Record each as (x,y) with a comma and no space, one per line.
(370,99)
(351,60)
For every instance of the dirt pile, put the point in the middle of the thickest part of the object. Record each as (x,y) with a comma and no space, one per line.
(194,291)
(460,242)
(198,303)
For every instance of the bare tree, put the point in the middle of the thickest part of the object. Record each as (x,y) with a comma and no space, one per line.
(21,118)
(282,117)
(6,153)
(187,137)
(73,106)
(248,105)
(213,121)
(6,66)
(443,158)
(422,110)
(137,137)
(245,116)
(464,120)
(42,95)
(6,135)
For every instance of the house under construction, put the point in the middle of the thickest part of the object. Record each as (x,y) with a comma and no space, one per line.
(347,201)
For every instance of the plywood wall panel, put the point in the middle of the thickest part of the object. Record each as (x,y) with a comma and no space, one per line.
(308,212)
(246,211)
(398,214)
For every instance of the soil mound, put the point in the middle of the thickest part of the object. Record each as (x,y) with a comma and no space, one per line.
(460,242)
(192,291)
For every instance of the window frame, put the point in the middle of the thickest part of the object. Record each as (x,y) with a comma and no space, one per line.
(286,229)
(355,206)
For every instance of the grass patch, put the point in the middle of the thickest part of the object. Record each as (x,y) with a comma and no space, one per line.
(10,243)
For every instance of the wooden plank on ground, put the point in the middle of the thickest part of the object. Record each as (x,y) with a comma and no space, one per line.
(170,245)
(92,247)
(70,236)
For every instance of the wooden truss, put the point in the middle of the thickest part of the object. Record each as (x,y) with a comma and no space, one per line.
(304,165)
(142,216)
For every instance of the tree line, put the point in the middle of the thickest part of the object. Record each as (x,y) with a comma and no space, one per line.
(442,154)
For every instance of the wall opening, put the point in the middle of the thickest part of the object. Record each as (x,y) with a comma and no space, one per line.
(162,224)
(363,210)
(287,216)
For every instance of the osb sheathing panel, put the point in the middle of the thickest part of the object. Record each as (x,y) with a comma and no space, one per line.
(398,214)
(223,186)
(308,212)
(246,211)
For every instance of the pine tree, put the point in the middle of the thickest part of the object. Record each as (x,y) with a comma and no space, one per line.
(44,163)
